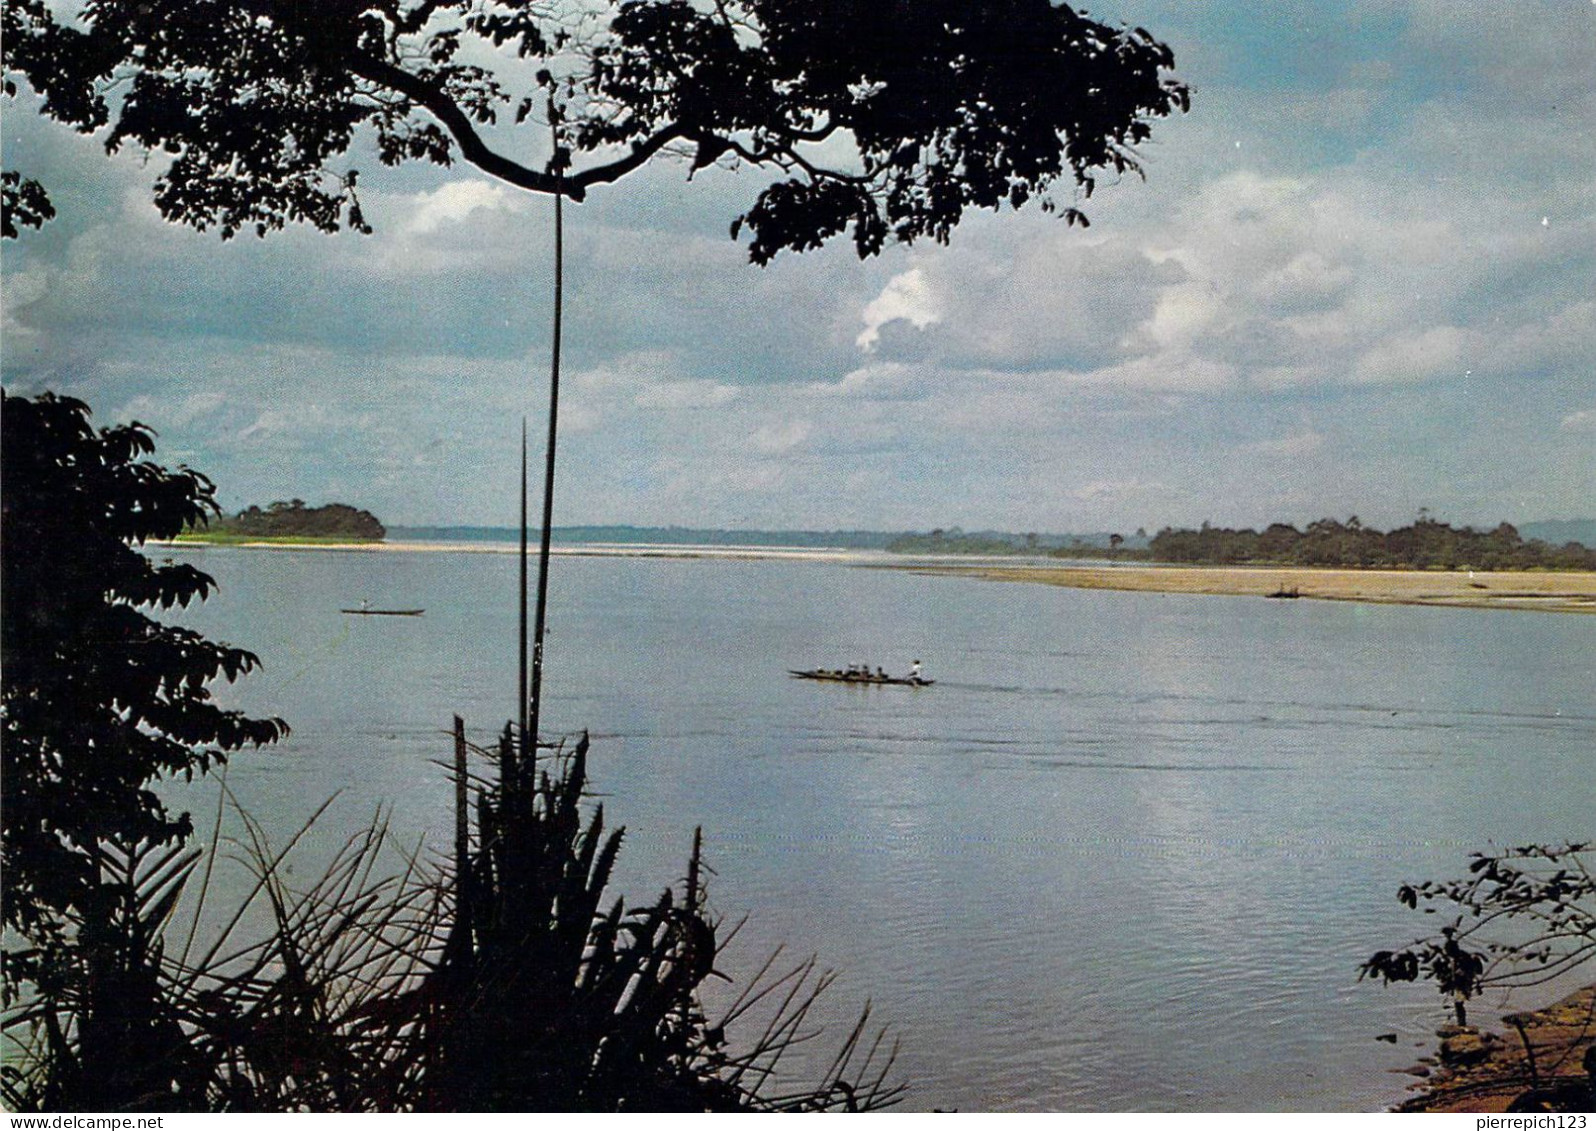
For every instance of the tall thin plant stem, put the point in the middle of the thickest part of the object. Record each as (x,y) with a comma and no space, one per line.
(522,702)
(548,483)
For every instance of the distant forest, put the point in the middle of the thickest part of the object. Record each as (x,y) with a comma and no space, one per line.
(995,542)
(1427,544)
(293,519)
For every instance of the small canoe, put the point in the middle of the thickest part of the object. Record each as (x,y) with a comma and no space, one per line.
(383,612)
(873,680)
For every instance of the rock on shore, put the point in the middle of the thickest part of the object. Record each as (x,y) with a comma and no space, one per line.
(1478,1071)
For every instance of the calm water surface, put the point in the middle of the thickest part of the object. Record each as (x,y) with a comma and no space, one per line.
(1126,854)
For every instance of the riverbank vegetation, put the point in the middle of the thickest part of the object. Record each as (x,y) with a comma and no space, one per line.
(290,521)
(1539,1060)
(503,978)
(996,543)
(1326,543)
(98,698)
(1425,544)
(1522,918)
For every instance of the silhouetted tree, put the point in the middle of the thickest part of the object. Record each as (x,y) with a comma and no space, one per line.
(1523,917)
(98,699)
(886,120)
(22,202)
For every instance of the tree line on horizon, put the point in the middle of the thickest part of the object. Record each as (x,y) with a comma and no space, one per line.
(293,519)
(1424,544)
(956,540)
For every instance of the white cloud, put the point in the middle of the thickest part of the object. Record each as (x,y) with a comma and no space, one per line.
(889,380)
(1309,280)
(21,290)
(1440,351)
(180,413)
(908,297)
(1560,341)
(286,424)
(454,202)
(1181,315)
(1262,283)
(1175,371)
(1373,251)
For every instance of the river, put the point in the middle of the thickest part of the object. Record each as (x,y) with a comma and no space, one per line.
(1125,854)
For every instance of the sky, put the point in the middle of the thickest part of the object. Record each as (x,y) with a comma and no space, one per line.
(1357,279)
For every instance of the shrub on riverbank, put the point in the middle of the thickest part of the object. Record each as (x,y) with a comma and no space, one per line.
(493,980)
(1523,917)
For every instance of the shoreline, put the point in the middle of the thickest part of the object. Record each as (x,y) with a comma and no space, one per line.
(580,550)
(1534,590)
(1541,591)
(1480,1071)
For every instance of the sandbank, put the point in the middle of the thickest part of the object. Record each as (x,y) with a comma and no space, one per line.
(579,550)
(1545,591)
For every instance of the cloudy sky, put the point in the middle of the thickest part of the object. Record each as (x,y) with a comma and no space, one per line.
(1358,279)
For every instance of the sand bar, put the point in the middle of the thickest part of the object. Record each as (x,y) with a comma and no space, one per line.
(1545,591)
(1560,592)
(569,550)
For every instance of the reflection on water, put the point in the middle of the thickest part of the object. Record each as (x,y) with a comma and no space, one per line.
(1126,854)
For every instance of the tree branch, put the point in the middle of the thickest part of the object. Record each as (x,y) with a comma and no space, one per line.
(477,151)
(615,170)
(460,127)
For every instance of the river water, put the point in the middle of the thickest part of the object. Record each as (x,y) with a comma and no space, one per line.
(1126,854)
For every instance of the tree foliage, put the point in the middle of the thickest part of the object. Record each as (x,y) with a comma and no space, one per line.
(1522,917)
(293,519)
(22,202)
(883,120)
(98,699)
